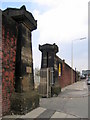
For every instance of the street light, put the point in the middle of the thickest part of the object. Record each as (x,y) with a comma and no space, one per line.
(72,56)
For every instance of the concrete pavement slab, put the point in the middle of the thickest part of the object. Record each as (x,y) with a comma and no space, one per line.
(11,116)
(77,106)
(70,116)
(80,85)
(34,113)
(55,103)
(59,115)
(47,114)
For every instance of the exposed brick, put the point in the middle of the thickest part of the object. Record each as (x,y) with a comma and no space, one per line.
(8,61)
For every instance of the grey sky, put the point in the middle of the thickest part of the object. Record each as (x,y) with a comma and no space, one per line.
(60,22)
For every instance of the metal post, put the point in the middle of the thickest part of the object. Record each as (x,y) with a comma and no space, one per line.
(47,82)
(52,82)
(72,63)
(72,57)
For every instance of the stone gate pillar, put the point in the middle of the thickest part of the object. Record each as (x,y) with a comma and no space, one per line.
(48,54)
(24,61)
(25,98)
(49,57)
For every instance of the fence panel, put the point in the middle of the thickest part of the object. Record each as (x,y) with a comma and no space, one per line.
(46,75)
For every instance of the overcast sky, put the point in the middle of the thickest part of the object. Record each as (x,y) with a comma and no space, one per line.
(60,22)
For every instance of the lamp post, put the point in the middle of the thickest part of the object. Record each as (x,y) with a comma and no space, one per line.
(72,57)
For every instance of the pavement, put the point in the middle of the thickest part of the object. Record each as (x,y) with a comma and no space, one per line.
(42,113)
(72,102)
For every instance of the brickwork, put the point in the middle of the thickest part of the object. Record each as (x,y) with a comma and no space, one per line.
(65,78)
(9,38)
(0,63)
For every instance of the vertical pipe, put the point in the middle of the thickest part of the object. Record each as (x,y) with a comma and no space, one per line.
(72,62)
(47,82)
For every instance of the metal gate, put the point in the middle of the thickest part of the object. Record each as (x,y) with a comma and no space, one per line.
(46,81)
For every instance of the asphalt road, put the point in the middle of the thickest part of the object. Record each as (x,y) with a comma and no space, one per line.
(72,100)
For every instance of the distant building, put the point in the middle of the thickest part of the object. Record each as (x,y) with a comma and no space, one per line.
(86,72)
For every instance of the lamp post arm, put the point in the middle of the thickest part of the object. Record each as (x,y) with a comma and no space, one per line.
(72,56)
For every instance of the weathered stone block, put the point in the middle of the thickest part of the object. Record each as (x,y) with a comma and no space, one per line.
(22,103)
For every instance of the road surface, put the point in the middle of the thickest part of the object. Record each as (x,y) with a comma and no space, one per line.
(72,102)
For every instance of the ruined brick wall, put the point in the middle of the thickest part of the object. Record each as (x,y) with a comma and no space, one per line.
(9,39)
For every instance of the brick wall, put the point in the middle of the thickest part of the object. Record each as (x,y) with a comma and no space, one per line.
(66,78)
(9,38)
(0,63)
(66,73)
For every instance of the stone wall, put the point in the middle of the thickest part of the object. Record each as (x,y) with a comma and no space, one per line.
(24,61)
